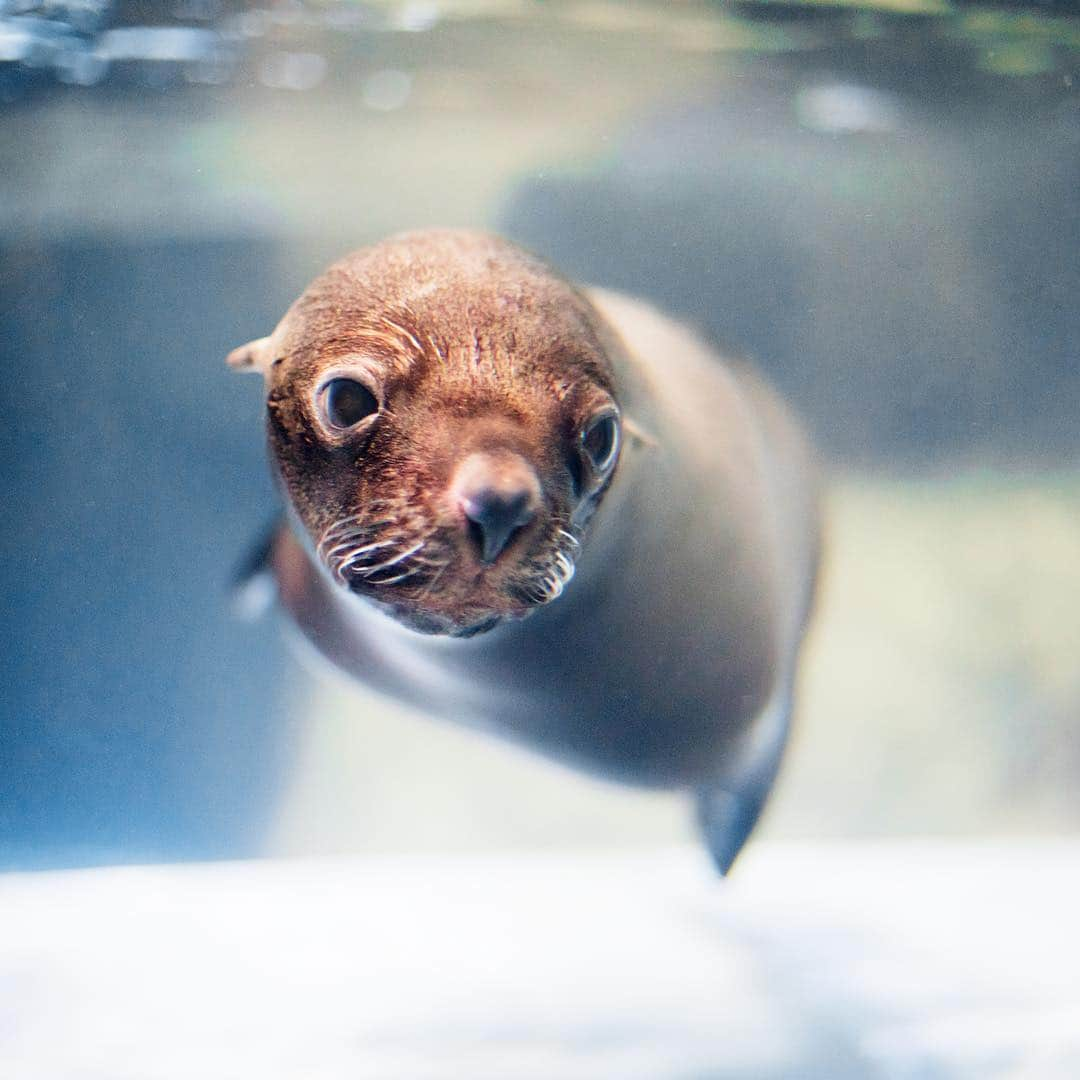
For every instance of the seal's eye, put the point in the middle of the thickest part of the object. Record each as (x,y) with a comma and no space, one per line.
(346,402)
(600,441)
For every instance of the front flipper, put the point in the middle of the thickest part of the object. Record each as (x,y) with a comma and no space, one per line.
(254,588)
(728,810)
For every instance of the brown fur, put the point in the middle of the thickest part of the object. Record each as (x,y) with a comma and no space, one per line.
(671,658)
(473,344)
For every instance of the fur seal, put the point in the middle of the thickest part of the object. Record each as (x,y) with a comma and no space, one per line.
(458,432)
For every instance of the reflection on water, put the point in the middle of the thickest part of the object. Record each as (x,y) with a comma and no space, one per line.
(879,204)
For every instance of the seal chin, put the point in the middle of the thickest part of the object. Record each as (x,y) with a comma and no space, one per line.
(440,624)
(475,629)
(464,605)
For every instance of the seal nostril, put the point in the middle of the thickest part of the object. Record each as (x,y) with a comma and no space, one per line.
(476,532)
(493,518)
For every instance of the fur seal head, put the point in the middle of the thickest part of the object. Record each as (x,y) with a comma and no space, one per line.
(443,419)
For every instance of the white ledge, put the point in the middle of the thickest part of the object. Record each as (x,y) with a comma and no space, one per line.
(892,959)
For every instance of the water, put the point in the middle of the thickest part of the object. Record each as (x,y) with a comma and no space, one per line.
(878,203)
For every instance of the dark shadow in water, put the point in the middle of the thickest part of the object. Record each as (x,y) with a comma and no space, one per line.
(910,283)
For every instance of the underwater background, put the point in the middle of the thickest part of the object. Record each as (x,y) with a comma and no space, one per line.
(877,202)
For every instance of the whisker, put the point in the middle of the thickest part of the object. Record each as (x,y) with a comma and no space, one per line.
(345,550)
(571,537)
(554,587)
(341,534)
(396,578)
(366,549)
(348,527)
(404,333)
(369,570)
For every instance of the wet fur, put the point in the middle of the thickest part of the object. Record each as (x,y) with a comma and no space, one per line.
(467,335)
(670,659)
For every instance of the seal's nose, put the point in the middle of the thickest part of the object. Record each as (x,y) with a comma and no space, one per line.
(494,517)
(499,494)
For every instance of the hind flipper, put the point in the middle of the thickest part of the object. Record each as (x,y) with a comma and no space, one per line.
(728,809)
(726,820)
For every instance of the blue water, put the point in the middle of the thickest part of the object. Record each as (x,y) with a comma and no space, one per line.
(881,208)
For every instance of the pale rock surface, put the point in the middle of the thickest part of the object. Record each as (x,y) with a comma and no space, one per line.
(894,960)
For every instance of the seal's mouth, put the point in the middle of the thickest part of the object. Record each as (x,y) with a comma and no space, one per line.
(428,583)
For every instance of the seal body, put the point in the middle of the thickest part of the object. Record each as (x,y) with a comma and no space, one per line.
(458,432)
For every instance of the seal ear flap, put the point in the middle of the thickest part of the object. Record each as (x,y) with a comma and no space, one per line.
(636,434)
(254,356)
